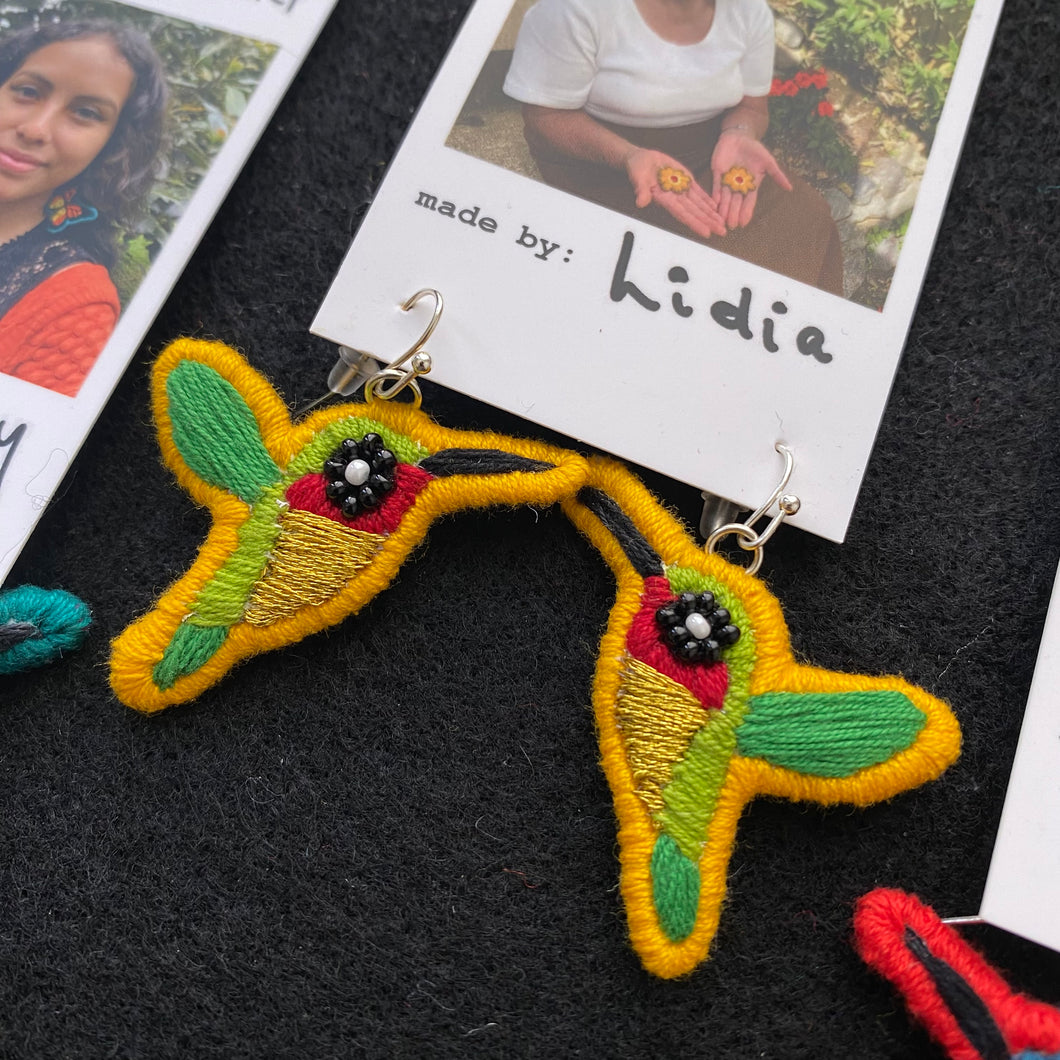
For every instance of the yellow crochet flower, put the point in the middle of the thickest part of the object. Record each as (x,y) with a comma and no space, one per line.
(740,180)
(675,180)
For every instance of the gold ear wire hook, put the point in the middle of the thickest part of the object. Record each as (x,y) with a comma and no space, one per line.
(747,538)
(396,375)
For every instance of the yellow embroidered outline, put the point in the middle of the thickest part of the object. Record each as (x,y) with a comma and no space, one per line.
(139,648)
(936,746)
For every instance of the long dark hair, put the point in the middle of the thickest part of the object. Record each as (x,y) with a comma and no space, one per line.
(119,177)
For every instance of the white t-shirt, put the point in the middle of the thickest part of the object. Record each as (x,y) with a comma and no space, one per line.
(602,56)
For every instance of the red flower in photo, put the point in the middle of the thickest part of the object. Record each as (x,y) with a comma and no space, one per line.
(803,79)
(790,88)
(776,87)
(820,78)
(825,109)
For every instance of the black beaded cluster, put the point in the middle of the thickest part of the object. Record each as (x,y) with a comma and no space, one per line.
(352,499)
(686,646)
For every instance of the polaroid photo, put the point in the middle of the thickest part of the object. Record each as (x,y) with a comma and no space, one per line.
(629,255)
(1022,892)
(122,127)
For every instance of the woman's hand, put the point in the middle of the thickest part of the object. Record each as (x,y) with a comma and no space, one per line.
(737,149)
(693,207)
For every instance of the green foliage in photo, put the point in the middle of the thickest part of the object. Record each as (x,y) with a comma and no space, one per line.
(849,32)
(897,228)
(902,52)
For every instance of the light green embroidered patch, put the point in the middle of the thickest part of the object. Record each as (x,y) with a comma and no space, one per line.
(312,457)
(222,599)
(691,797)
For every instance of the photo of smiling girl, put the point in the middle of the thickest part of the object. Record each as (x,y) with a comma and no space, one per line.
(82,108)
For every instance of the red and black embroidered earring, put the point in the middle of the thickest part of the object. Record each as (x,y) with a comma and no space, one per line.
(962,1001)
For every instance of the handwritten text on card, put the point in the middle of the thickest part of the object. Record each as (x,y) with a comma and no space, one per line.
(9,439)
(733,316)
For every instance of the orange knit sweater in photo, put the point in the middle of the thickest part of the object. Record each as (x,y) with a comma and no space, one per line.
(53,335)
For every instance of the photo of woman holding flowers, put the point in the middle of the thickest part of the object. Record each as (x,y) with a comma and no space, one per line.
(657,108)
(791,133)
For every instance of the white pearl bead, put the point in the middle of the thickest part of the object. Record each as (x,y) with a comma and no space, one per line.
(357,472)
(697,625)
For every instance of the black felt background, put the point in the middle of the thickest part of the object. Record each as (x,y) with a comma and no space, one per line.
(393,839)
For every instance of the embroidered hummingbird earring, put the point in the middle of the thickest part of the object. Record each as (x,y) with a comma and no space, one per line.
(310,520)
(700,707)
(699,703)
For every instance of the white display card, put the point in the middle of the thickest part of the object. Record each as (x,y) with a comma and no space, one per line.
(663,349)
(250,51)
(1023,886)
